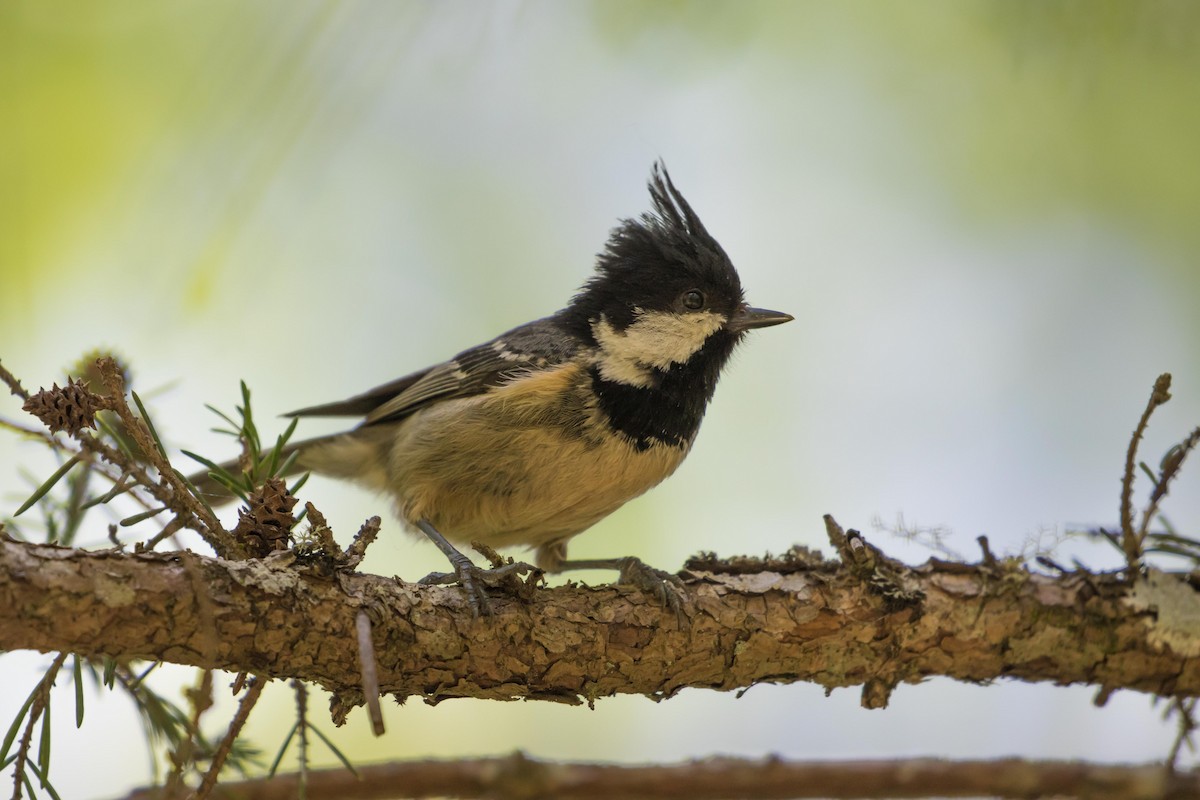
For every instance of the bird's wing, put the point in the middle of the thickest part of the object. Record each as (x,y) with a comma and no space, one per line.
(362,404)
(538,345)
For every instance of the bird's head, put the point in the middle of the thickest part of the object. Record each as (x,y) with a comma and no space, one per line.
(665,297)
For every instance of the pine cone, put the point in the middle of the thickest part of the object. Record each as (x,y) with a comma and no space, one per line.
(265,525)
(70,408)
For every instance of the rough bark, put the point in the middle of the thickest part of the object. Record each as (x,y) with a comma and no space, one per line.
(813,622)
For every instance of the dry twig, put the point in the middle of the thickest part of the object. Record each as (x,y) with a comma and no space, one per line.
(235,728)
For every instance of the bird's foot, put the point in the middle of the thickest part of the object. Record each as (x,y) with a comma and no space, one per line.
(476,580)
(632,571)
(664,586)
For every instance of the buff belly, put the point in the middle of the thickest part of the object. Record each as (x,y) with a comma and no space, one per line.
(530,463)
(502,469)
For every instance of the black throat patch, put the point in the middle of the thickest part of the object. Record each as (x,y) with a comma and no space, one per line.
(670,412)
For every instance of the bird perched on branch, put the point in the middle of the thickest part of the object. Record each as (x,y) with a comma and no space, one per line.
(533,437)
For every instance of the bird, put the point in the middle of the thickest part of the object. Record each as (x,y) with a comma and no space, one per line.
(531,438)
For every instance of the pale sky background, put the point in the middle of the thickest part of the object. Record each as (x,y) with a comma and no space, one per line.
(982,215)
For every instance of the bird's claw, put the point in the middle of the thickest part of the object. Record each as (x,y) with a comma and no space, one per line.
(476,580)
(666,587)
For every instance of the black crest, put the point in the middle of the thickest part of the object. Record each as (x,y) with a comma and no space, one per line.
(650,260)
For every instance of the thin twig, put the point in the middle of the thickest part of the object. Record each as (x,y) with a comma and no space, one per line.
(175,492)
(320,531)
(1170,468)
(40,434)
(370,671)
(185,753)
(141,478)
(302,733)
(118,487)
(235,729)
(168,491)
(14,385)
(173,527)
(989,558)
(93,448)
(362,540)
(35,713)
(1183,709)
(1131,543)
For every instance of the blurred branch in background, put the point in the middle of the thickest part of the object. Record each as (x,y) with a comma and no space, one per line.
(518,776)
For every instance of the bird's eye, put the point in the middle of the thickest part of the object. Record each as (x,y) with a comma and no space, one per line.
(692,299)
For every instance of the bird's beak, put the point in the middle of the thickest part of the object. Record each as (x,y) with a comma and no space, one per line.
(747,318)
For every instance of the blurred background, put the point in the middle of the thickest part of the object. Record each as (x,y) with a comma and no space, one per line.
(983,216)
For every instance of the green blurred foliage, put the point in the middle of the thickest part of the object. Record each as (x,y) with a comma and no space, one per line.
(1061,105)
(1024,108)
(92,92)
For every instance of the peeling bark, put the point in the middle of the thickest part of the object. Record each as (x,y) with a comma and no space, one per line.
(817,622)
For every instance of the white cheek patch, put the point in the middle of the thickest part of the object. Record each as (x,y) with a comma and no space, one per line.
(654,341)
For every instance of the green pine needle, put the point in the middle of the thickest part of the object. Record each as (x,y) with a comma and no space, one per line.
(40,492)
(283,749)
(136,518)
(15,727)
(43,758)
(341,756)
(78,670)
(149,425)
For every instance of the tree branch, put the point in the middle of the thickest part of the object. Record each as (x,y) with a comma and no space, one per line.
(719,778)
(817,622)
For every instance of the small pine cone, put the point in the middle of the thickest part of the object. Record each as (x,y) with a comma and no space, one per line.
(70,408)
(265,525)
